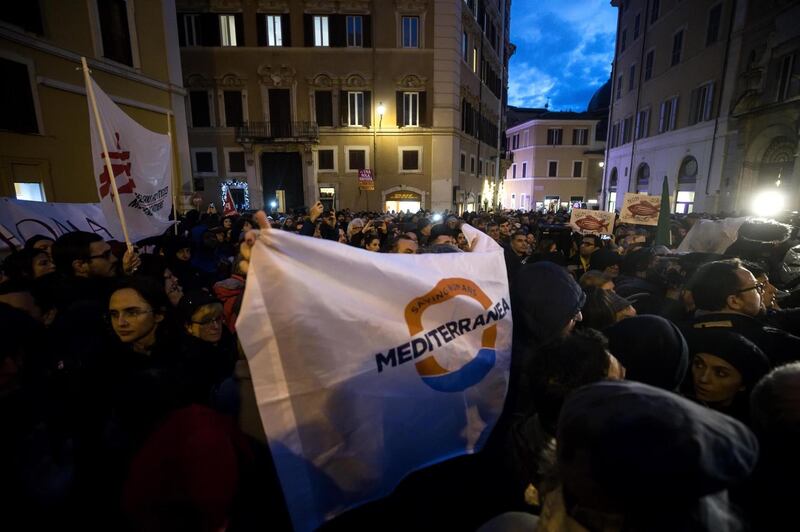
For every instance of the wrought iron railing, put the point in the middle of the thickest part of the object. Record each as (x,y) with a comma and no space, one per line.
(255,132)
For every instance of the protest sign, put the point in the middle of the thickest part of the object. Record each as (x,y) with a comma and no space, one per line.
(640,209)
(589,222)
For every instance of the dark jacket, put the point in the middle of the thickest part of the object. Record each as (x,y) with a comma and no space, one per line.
(779,346)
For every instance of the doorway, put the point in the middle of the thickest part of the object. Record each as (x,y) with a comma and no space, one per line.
(282,171)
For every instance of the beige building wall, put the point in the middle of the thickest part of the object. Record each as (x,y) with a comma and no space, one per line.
(58,154)
(384,68)
(528,183)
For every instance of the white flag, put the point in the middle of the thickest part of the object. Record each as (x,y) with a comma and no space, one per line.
(142,165)
(367,366)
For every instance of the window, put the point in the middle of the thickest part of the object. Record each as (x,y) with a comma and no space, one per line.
(16,97)
(355,31)
(355,108)
(552,168)
(668,114)
(235,162)
(655,11)
(356,159)
(712,31)
(684,202)
(526,138)
(191,29)
(410,109)
(632,78)
(205,161)
(648,64)
(619,87)
(580,137)
(614,139)
(513,171)
(677,47)
(515,142)
(785,77)
(25,15)
(463,165)
(201,110)
(643,179)
(410,160)
(555,136)
(702,103)
(321,36)
(577,168)
(29,191)
(274,33)
(114,29)
(465,47)
(227,29)
(326,160)
(627,129)
(475,59)
(524,169)
(623,40)
(410,32)
(642,124)
(637,22)
(471,164)
(323,107)
(233,108)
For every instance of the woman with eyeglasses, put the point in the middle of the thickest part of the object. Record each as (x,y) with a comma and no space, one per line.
(208,350)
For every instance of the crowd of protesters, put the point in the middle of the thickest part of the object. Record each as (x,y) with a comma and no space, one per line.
(649,390)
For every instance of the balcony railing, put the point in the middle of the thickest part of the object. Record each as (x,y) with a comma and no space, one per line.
(268,132)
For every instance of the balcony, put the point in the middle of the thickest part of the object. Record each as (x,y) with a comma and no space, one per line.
(273,132)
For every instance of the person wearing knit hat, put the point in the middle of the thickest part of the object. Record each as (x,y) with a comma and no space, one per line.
(604,308)
(725,368)
(606,261)
(548,301)
(635,457)
(652,349)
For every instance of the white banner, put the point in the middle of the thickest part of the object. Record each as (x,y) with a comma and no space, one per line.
(20,220)
(142,165)
(367,366)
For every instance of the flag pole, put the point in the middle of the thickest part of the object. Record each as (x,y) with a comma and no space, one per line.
(174,175)
(109,169)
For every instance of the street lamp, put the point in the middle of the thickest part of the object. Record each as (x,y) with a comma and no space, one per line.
(381,110)
(601,164)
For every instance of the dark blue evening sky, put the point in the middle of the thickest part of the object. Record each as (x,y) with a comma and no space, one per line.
(564,51)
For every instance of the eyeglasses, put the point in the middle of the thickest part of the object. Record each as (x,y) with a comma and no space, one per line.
(216,320)
(758,287)
(104,255)
(128,313)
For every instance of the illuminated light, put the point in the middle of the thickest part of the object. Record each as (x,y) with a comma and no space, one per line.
(437,217)
(768,203)
(273,204)
(601,164)
(381,109)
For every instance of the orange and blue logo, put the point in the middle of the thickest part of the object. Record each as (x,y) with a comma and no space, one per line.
(430,370)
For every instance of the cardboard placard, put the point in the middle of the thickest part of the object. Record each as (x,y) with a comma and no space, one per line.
(640,209)
(589,222)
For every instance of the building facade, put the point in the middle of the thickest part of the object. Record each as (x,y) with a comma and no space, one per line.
(705,95)
(131,47)
(363,104)
(556,159)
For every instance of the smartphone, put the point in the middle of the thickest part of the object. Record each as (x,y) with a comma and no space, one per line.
(605,237)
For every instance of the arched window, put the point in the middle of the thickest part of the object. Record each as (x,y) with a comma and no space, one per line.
(687,179)
(643,179)
(777,163)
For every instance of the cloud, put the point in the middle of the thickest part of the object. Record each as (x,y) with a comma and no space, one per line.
(566,47)
(528,86)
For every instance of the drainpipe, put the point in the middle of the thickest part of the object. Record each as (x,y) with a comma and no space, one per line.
(638,95)
(611,111)
(502,90)
(719,108)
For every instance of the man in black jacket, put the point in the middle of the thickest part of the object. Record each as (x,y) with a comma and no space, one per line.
(728,296)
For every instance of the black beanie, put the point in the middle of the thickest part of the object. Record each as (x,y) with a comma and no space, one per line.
(734,349)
